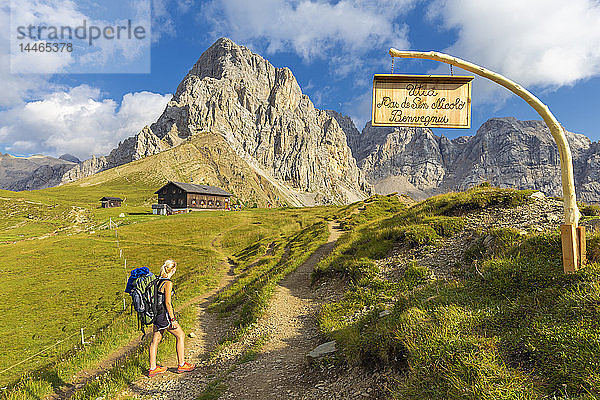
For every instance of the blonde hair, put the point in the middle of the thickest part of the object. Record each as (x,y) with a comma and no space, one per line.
(168,269)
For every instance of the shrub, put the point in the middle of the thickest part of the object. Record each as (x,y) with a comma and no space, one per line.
(473,199)
(445,226)
(593,248)
(495,243)
(420,235)
(590,210)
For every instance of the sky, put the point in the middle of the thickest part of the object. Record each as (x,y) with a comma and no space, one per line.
(88,101)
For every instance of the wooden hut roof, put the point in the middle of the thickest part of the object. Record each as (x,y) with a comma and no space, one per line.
(199,189)
(110,199)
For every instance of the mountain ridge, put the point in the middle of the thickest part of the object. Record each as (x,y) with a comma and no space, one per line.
(33,172)
(504,151)
(262,113)
(319,156)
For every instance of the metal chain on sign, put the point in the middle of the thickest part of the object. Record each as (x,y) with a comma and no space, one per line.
(451,70)
(392,69)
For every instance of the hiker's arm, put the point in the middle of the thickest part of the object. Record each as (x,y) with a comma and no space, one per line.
(168,292)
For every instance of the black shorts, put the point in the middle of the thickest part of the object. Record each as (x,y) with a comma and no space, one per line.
(162,320)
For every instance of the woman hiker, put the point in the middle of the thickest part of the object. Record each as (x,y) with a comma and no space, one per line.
(165,320)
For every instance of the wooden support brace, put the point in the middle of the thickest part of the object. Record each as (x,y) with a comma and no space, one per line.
(581,245)
(570,248)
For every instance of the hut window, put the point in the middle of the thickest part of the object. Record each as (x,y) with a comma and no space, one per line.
(218,203)
(193,202)
(180,202)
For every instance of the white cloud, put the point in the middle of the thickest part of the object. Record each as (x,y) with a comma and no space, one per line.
(87,54)
(15,88)
(77,121)
(312,28)
(546,43)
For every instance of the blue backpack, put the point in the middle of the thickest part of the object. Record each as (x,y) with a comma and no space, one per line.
(142,286)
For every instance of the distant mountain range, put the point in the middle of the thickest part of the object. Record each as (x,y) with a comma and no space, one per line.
(310,156)
(505,152)
(34,172)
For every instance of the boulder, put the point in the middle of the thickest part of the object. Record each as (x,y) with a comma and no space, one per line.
(323,350)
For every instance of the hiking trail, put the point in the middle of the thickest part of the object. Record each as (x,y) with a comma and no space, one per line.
(270,361)
(88,374)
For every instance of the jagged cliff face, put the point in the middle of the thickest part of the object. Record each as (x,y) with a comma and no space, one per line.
(511,153)
(411,158)
(506,152)
(264,116)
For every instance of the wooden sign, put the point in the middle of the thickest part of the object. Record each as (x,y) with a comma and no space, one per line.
(428,101)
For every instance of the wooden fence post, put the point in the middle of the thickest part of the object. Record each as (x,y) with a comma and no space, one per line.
(581,245)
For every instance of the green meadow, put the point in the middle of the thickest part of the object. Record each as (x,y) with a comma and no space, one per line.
(507,324)
(63,268)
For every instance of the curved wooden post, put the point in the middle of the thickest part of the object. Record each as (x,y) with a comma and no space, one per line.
(572,246)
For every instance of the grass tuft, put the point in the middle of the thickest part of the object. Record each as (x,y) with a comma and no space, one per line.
(513,327)
(249,296)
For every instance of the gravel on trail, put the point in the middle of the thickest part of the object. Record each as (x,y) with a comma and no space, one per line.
(280,369)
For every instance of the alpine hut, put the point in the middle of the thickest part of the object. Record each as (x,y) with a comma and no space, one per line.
(110,202)
(184,196)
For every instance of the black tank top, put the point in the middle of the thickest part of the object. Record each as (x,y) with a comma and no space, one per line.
(161,294)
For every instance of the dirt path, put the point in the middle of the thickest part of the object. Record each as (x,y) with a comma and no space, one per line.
(281,369)
(290,326)
(87,375)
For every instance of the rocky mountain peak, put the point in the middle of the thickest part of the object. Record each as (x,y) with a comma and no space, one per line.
(227,60)
(225,56)
(263,115)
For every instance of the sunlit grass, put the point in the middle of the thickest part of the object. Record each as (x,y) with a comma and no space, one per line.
(510,325)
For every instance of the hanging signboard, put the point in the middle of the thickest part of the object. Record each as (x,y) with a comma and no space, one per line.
(428,101)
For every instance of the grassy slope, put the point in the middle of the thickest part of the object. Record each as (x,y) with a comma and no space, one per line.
(60,265)
(206,158)
(84,276)
(511,325)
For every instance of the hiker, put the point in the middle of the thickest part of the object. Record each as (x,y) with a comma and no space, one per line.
(165,320)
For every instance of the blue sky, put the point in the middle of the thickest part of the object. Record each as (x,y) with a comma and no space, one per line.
(552,47)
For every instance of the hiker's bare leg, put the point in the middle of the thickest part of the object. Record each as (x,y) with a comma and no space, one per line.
(179,343)
(156,338)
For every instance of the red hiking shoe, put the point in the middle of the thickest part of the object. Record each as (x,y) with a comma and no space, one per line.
(186,367)
(158,370)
